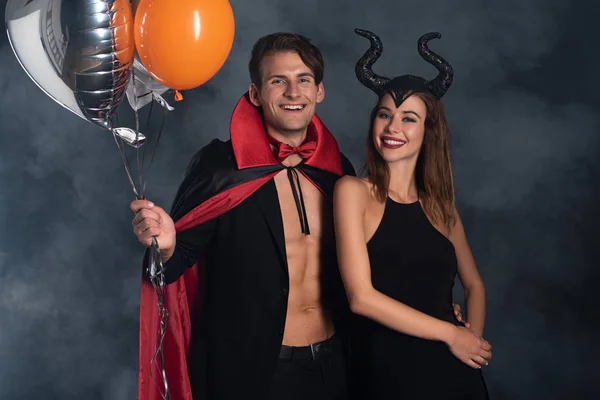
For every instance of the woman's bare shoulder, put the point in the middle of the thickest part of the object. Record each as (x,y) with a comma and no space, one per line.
(351,185)
(355,182)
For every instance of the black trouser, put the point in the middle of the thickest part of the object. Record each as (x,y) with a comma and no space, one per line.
(315,372)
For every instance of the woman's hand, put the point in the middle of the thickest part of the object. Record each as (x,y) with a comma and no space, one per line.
(469,348)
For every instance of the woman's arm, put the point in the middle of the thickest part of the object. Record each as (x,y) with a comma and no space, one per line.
(350,201)
(470,279)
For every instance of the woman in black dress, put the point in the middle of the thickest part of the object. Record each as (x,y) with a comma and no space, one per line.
(401,243)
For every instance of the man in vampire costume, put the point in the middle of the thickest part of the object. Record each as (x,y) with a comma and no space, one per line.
(256,306)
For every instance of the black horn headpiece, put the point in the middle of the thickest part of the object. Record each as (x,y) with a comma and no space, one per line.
(399,86)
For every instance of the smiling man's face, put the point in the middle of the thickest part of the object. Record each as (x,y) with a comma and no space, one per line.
(288,95)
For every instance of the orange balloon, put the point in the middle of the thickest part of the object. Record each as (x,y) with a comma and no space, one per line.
(183,43)
(122,25)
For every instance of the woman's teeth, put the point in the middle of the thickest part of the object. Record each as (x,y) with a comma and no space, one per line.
(393,142)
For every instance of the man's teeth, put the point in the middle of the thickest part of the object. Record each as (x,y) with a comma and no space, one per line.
(293,107)
(393,142)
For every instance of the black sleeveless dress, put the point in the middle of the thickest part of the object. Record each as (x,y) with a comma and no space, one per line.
(412,262)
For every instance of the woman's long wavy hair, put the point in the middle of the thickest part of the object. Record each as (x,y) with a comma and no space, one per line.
(433,172)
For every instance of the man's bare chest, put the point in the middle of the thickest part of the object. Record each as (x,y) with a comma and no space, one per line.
(308,199)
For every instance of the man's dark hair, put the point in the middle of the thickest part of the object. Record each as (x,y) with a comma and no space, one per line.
(282,42)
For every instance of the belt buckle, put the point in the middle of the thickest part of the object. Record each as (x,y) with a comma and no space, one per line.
(317,349)
(314,348)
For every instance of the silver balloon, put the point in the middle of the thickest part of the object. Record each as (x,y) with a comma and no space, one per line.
(79,52)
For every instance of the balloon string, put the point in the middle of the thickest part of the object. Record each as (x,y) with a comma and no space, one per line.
(120,146)
(155,265)
(137,137)
(158,283)
(148,122)
(157,278)
(158,136)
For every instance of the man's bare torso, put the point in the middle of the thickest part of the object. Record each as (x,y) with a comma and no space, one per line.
(307,321)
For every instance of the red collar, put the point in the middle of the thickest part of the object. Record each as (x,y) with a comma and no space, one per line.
(251,146)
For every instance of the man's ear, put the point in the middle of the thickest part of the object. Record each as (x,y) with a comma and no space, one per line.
(320,92)
(254,94)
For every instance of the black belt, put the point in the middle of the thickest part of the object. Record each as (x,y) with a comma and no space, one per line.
(314,351)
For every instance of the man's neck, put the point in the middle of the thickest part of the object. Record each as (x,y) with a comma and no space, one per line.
(292,138)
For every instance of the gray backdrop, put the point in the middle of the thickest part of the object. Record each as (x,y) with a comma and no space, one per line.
(525,146)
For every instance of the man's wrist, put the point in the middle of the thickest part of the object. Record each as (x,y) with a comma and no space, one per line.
(166,255)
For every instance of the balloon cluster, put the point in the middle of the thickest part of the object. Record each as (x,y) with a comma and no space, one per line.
(86,54)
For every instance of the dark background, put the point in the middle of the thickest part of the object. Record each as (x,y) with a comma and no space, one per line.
(525,147)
